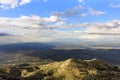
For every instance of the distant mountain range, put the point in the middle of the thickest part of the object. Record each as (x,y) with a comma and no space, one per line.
(49,51)
(25,46)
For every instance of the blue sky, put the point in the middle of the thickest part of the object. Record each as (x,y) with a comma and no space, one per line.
(95,21)
(45,8)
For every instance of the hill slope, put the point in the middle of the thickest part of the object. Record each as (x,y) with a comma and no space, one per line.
(71,69)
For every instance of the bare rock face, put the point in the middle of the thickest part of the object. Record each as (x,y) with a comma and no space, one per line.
(71,69)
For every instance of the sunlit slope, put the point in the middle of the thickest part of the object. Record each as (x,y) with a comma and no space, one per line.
(71,69)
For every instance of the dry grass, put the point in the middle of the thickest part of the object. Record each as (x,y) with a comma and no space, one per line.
(71,69)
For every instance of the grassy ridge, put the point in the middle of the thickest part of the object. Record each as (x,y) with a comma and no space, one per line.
(71,69)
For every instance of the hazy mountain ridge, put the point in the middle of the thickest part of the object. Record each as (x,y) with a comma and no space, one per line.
(45,51)
(71,69)
(25,46)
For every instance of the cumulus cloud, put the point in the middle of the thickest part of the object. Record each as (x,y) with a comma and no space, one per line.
(36,28)
(33,25)
(106,28)
(102,29)
(8,4)
(28,25)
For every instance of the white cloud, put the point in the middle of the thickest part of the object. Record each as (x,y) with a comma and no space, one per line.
(79,11)
(24,2)
(80,1)
(8,4)
(27,25)
(30,25)
(95,12)
(70,12)
(36,28)
(115,5)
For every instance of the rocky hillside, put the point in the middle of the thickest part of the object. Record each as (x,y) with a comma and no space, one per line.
(71,69)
